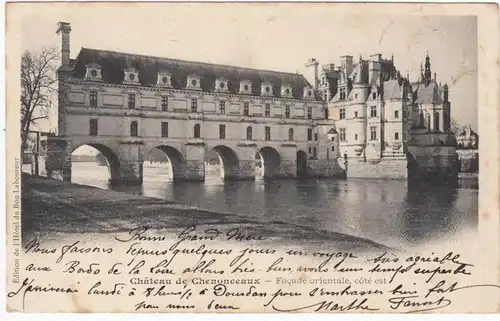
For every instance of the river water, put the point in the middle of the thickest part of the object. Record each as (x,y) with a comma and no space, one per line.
(386,211)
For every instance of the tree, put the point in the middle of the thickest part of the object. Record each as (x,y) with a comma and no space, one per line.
(38,79)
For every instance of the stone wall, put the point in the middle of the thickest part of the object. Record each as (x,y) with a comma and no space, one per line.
(329,168)
(58,159)
(432,163)
(384,169)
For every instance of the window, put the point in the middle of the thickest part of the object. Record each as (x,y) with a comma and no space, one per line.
(314,152)
(249,133)
(164,129)
(316,137)
(131,101)
(222,131)
(310,150)
(93,98)
(164,103)
(436,121)
(326,97)
(309,134)
(268,110)
(309,112)
(373,133)
(373,111)
(333,148)
(93,127)
(342,134)
(342,93)
(290,134)
(396,136)
(396,114)
(374,95)
(342,113)
(246,109)
(267,133)
(197,131)
(355,114)
(222,107)
(355,96)
(355,136)
(133,129)
(287,111)
(194,105)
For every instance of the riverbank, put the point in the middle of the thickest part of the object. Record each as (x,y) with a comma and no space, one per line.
(52,207)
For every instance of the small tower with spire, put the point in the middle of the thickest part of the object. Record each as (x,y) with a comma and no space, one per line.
(445,92)
(427,74)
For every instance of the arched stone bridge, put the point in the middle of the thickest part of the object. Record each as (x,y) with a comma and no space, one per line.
(125,156)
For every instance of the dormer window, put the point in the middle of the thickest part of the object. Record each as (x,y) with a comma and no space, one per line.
(93,72)
(286,91)
(374,91)
(221,85)
(164,79)
(266,89)
(246,87)
(131,76)
(193,82)
(308,93)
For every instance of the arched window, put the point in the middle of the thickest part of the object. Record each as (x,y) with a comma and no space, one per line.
(290,134)
(436,121)
(249,133)
(133,129)
(197,131)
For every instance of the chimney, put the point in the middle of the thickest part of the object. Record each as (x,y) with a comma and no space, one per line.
(64,28)
(314,63)
(346,62)
(375,64)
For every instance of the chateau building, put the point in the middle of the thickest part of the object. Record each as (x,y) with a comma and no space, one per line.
(468,150)
(127,104)
(382,116)
(380,123)
(467,139)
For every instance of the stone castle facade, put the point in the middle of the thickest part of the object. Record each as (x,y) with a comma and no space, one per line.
(362,118)
(384,118)
(125,105)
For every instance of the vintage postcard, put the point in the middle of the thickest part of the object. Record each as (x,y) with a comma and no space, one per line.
(252,157)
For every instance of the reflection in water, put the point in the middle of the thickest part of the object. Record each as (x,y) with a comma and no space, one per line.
(386,211)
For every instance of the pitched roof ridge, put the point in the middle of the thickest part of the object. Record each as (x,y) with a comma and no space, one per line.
(191,61)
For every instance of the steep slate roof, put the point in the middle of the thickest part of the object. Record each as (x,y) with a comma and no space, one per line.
(392,90)
(360,72)
(113,64)
(472,133)
(427,94)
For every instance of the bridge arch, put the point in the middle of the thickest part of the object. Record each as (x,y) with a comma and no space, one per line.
(174,167)
(270,160)
(109,159)
(228,160)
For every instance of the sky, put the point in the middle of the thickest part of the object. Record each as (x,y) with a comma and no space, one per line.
(278,37)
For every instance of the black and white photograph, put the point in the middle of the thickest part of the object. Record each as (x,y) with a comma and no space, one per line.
(251,157)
